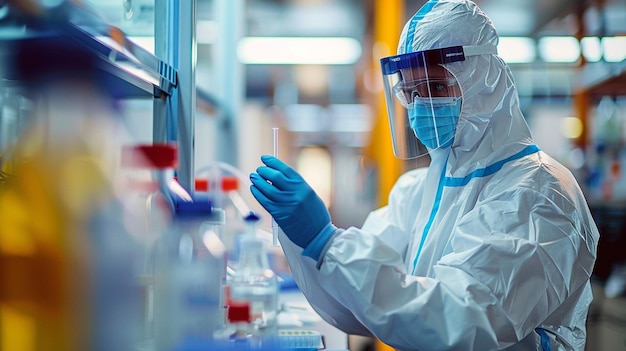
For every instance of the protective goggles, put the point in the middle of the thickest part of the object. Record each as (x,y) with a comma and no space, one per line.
(406,92)
(423,98)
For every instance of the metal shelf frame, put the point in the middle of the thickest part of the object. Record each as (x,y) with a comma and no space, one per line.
(167,77)
(136,72)
(174,118)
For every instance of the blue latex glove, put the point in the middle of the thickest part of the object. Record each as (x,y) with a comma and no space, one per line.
(297,209)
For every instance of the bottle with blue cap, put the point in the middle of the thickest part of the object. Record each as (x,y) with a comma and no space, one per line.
(190,264)
(255,283)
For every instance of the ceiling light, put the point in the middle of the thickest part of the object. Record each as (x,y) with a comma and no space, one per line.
(299,50)
(517,49)
(559,49)
(591,48)
(614,48)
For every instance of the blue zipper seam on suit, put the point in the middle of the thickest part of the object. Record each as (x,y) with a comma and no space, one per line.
(545,339)
(491,169)
(457,182)
(433,213)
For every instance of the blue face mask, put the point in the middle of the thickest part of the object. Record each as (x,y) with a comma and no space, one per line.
(434,120)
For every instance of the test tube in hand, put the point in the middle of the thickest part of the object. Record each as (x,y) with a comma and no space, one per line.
(274,224)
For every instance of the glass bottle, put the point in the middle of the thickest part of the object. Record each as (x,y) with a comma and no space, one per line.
(143,187)
(255,283)
(189,266)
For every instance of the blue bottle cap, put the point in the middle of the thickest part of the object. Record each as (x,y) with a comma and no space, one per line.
(199,206)
(251,217)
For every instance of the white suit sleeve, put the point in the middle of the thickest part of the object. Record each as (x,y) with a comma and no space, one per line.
(306,275)
(503,278)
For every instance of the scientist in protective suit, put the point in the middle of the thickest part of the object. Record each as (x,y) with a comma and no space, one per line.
(491,247)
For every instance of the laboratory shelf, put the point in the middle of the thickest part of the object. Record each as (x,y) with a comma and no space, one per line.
(130,70)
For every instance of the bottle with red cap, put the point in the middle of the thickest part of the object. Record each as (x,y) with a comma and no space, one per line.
(146,188)
(251,297)
(255,283)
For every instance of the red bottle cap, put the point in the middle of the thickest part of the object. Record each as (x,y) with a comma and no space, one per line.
(202,184)
(157,156)
(239,312)
(228,183)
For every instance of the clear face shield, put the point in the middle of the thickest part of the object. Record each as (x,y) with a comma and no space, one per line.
(423,100)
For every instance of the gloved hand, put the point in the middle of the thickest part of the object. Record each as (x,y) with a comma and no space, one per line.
(297,209)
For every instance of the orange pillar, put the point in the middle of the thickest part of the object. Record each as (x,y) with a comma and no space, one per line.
(388,22)
(581,106)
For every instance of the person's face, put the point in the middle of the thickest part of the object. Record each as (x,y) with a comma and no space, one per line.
(429,81)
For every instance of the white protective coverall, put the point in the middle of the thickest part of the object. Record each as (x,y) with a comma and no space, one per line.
(490,247)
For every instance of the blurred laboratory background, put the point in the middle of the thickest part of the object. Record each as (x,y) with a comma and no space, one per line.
(226,81)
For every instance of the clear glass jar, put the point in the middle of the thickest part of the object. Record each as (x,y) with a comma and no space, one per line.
(190,265)
(143,187)
(255,283)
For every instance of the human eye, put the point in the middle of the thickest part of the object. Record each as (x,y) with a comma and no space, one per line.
(438,86)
